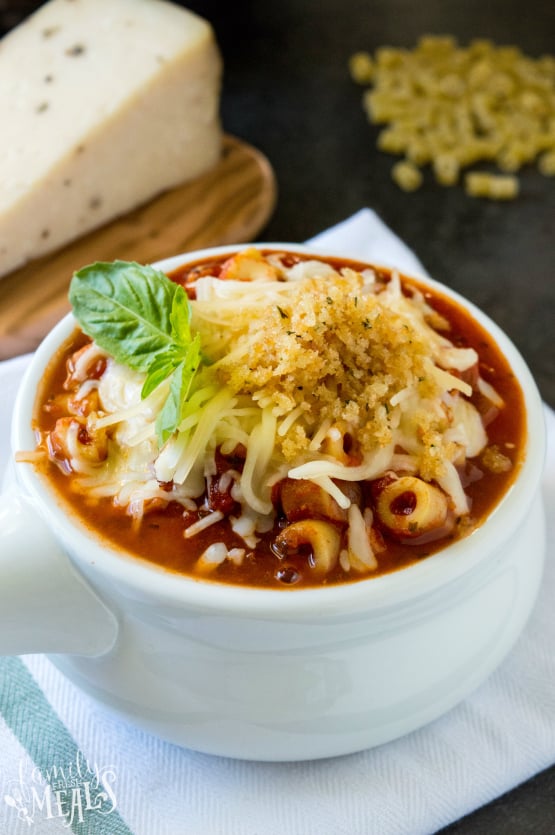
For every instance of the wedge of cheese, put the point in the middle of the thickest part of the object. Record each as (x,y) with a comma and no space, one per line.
(105,103)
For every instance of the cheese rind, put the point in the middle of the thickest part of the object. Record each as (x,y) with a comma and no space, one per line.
(106,104)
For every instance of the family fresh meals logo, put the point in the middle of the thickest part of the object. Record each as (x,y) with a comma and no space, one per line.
(69,792)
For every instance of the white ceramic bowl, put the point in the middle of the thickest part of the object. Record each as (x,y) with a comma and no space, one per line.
(260,674)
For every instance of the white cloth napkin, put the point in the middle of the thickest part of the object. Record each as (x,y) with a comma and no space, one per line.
(500,736)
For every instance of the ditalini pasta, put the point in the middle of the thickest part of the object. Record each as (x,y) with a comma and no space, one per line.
(300,420)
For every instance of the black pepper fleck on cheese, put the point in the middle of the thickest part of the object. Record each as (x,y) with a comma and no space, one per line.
(77,49)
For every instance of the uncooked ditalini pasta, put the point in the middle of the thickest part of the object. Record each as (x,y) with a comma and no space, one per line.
(451,107)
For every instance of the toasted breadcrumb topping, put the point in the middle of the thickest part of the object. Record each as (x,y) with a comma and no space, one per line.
(338,352)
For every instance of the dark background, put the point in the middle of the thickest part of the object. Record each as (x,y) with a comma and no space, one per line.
(287,91)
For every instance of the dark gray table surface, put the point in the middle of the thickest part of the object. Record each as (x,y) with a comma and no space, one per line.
(287,91)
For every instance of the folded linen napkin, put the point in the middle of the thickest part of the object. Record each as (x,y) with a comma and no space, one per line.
(126,782)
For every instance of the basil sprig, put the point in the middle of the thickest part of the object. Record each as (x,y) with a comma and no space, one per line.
(143,320)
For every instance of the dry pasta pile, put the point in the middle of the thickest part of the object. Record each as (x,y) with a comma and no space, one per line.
(452,107)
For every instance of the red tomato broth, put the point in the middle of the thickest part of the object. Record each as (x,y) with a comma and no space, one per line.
(158,537)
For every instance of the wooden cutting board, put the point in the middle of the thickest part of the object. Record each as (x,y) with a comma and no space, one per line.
(230,204)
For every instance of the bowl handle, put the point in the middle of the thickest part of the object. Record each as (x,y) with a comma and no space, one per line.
(45,605)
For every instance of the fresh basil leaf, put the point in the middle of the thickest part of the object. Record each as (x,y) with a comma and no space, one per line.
(127,308)
(192,363)
(180,317)
(172,412)
(162,366)
(168,419)
(143,320)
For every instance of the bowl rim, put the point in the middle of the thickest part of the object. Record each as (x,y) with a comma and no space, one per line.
(147,581)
